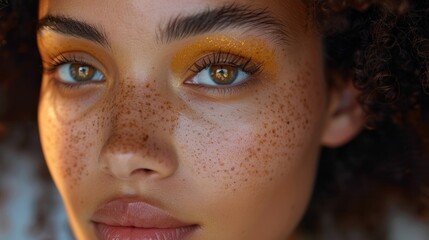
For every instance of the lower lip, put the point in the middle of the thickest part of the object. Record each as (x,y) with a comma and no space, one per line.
(107,232)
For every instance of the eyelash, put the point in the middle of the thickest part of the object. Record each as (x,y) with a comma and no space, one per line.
(53,65)
(226,58)
(215,58)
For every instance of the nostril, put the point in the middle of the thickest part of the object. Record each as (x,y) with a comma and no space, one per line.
(143,171)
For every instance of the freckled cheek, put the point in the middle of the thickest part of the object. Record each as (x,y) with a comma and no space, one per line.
(261,140)
(69,145)
(233,155)
(249,165)
(72,104)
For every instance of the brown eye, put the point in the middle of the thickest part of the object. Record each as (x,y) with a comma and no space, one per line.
(220,76)
(81,73)
(78,73)
(223,74)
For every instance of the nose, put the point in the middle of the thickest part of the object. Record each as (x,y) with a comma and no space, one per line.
(127,156)
(136,142)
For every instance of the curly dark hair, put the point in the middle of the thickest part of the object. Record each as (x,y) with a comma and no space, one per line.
(20,65)
(382,45)
(20,75)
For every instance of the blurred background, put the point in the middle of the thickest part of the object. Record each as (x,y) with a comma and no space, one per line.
(30,206)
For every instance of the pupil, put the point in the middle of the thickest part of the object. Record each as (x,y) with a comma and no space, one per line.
(223,74)
(81,72)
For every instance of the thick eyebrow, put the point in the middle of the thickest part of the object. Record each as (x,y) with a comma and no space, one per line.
(73,27)
(227,16)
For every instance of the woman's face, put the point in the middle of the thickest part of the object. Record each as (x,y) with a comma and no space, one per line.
(193,120)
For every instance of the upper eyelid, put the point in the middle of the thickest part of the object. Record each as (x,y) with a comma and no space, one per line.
(73,57)
(221,57)
(61,60)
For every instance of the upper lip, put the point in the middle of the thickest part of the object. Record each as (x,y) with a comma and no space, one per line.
(135,213)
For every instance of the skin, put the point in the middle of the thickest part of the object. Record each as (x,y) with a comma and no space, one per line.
(238,163)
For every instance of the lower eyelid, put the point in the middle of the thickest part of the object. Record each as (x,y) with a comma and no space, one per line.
(67,87)
(71,86)
(225,91)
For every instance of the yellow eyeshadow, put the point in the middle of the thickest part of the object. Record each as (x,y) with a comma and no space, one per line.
(255,49)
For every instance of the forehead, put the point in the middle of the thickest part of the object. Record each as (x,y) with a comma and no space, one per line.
(150,15)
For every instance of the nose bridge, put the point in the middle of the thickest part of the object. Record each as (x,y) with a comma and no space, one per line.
(137,143)
(143,105)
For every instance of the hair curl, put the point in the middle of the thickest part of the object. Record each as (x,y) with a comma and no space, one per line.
(383,47)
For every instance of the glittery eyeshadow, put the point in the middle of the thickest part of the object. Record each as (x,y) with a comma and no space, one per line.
(255,49)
